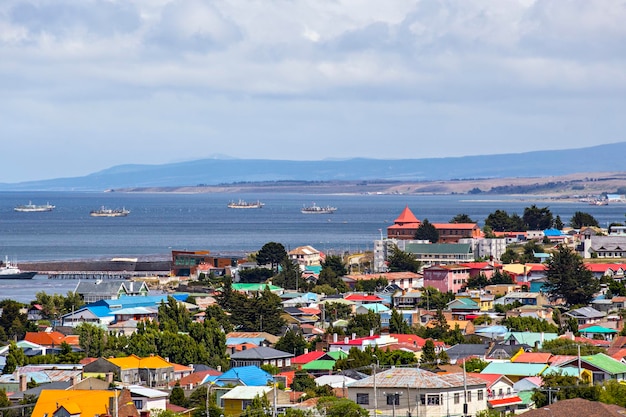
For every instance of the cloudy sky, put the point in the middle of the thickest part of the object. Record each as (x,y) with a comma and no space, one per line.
(89,84)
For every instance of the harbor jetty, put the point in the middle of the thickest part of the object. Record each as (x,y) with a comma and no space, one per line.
(101,269)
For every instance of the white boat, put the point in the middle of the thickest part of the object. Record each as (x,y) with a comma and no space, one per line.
(315,209)
(33,208)
(241,204)
(107,212)
(9,270)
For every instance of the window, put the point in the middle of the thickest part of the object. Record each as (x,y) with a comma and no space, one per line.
(457,398)
(480,395)
(138,404)
(433,399)
(245,404)
(469,396)
(393,399)
(363,399)
(508,391)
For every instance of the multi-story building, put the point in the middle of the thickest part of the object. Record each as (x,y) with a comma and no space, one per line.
(446,277)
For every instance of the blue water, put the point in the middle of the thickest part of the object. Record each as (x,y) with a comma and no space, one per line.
(161,222)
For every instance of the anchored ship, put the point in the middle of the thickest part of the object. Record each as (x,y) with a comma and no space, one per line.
(107,212)
(314,209)
(32,208)
(241,204)
(9,270)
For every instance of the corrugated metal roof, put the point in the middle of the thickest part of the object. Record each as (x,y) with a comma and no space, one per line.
(246,393)
(416,378)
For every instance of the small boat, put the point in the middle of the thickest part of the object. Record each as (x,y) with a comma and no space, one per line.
(241,204)
(32,208)
(314,209)
(107,212)
(602,202)
(9,270)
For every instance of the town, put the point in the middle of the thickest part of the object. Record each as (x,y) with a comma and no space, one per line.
(522,316)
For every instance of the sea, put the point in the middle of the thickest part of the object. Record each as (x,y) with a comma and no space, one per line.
(162,222)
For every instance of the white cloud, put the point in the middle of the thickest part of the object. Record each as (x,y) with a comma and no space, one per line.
(346,74)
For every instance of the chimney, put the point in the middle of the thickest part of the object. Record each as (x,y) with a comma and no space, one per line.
(334,337)
(109,377)
(346,340)
(23,382)
(306,350)
(371,332)
(353,336)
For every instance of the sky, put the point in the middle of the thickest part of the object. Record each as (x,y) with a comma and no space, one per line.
(89,84)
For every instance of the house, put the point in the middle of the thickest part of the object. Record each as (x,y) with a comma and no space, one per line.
(533,339)
(524,298)
(51,339)
(235,401)
(243,375)
(462,351)
(83,403)
(414,391)
(95,290)
(602,247)
(151,371)
(103,312)
(404,280)
(261,356)
(515,371)
(195,379)
(599,367)
(256,338)
(305,256)
(441,253)
(501,395)
(406,299)
(586,315)
(148,399)
(601,331)
(462,307)
(446,278)
(577,407)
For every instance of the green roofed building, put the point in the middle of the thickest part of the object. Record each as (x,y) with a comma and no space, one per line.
(247,288)
(441,253)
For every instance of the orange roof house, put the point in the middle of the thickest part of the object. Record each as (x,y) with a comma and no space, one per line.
(51,339)
(85,403)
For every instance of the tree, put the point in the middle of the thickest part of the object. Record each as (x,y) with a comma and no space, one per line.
(462,218)
(397,324)
(333,269)
(581,219)
(290,276)
(510,256)
(429,356)
(15,359)
(14,322)
(558,223)
(400,261)
(474,365)
(255,275)
(362,324)
(340,407)
(536,218)
(292,342)
(336,264)
(91,339)
(568,278)
(498,221)
(271,253)
(177,396)
(259,407)
(427,231)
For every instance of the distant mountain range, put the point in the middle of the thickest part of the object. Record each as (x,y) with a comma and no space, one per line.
(212,172)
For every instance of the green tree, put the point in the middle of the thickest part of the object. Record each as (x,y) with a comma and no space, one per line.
(568,278)
(397,324)
(292,342)
(371,285)
(562,346)
(498,221)
(581,219)
(510,256)
(255,275)
(362,324)
(173,316)
(335,263)
(91,339)
(271,253)
(568,387)
(15,359)
(429,355)
(462,218)
(303,382)
(528,251)
(427,231)
(558,223)
(400,261)
(474,365)
(177,396)
(536,218)
(340,407)
(14,323)
(259,407)
(290,276)
(529,324)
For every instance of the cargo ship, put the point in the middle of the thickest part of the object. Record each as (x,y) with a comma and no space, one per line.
(33,208)
(314,209)
(107,212)
(241,204)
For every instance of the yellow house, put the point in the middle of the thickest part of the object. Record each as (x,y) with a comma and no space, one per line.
(84,403)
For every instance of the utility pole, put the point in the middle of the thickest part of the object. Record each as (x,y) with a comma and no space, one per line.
(465,392)
(375,393)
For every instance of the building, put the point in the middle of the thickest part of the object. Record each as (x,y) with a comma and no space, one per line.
(404,226)
(185,263)
(441,253)
(261,356)
(414,391)
(92,291)
(446,277)
(151,371)
(454,232)
(305,256)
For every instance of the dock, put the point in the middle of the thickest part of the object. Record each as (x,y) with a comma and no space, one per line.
(102,275)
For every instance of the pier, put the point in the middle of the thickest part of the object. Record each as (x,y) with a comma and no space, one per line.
(101,275)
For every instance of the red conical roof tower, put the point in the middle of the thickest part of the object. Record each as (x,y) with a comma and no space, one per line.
(405,217)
